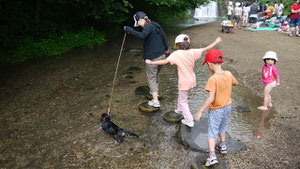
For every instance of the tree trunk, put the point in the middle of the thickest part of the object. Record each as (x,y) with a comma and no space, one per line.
(38,8)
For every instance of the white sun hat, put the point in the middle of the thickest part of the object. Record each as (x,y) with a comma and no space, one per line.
(182,38)
(271,55)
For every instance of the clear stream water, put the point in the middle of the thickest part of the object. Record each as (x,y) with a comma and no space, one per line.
(50,111)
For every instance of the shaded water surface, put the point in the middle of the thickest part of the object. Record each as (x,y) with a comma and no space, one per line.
(50,112)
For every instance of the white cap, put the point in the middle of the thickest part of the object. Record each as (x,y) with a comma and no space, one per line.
(230,3)
(181,37)
(270,55)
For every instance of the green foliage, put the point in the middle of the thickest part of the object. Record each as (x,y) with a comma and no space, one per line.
(37,28)
(29,48)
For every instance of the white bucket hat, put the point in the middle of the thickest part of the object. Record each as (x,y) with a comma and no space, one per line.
(181,38)
(271,55)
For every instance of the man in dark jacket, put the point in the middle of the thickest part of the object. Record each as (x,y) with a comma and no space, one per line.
(155,46)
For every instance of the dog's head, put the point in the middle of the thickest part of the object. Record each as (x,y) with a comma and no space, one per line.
(104,117)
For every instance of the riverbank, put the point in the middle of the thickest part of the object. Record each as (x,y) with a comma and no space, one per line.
(243,50)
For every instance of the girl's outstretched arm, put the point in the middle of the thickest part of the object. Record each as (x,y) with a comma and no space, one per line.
(209,47)
(159,62)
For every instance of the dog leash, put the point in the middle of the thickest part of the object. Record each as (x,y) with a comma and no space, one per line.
(113,85)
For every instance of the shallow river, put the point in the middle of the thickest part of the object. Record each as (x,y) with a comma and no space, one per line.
(50,111)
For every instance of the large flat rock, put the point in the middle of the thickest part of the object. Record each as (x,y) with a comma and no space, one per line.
(196,138)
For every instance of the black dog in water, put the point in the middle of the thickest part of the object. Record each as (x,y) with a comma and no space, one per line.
(114,130)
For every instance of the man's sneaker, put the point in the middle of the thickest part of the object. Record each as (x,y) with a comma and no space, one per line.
(188,123)
(154,103)
(221,149)
(177,111)
(211,161)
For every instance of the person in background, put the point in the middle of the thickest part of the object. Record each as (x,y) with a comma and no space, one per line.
(229,10)
(184,58)
(280,10)
(219,102)
(238,15)
(270,77)
(253,14)
(295,10)
(276,8)
(246,14)
(155,46)
(266,6)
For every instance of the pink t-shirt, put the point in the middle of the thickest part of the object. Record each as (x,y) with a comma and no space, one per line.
(185,59)
(269,74)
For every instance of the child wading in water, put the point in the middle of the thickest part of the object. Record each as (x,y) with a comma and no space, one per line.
(184,59)
(219,102)
(270,77)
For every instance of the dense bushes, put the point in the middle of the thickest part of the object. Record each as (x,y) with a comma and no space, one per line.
(37,28)
(29,47)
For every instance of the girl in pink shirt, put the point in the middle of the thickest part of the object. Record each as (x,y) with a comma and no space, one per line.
(184,59)
(270,77)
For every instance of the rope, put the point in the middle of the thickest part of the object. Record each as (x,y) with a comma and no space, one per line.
(113,85)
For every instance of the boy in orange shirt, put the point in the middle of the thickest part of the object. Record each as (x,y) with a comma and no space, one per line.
(219,102)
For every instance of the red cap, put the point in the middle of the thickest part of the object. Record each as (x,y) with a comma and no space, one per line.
(213,56)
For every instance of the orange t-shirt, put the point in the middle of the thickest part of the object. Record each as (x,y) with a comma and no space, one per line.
(221,84)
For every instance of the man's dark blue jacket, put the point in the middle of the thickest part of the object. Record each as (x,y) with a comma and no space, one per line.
(155,40)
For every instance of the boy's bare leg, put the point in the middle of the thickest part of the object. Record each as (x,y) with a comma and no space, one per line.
(211,144)
(222,137)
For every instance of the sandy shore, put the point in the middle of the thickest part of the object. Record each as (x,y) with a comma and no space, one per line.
(279,146)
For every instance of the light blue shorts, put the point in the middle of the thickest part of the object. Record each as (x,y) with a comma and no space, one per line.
(217,120)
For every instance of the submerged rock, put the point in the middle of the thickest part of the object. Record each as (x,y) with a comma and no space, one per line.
(196,138)
(173,117)
(144,107)
(243,109)
(142,90)
(134,68)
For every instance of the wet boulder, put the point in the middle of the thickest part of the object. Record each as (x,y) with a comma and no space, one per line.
(144,107)
(173,117)
(196,138)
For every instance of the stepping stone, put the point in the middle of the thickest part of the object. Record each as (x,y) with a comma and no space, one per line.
(199,163)
(241,109)
(142,90)
(173,117)
(144,107)
(196,138)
